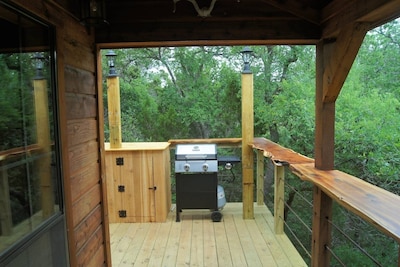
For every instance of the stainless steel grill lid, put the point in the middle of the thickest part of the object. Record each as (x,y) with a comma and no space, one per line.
(196,152)
(196,158)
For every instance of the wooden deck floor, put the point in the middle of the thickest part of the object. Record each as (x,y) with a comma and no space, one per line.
(197,241)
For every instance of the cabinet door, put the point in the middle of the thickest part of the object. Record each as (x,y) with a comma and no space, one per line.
(138,185)
(161,170)
(139,197)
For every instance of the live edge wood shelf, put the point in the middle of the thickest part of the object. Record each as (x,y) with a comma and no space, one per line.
(138,182)
(379,207)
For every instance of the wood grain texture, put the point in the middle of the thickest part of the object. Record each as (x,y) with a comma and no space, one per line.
(79,81)
(145,175)
(197,241)
(373,204)
(247,151)
(277,152)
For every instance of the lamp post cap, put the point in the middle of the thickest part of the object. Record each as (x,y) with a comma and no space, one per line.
(246,50)
(111,53)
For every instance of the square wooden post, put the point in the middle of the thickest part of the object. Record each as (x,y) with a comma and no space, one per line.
(260,177)
(44,141)
(114,111)
(247,150)
(279,198)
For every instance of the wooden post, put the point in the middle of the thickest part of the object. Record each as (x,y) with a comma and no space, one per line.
(334,61)
(114,111)
(321,232)
(324,159)
(5,205)
(247,151)
(44,142)
(279,198)
(260,177)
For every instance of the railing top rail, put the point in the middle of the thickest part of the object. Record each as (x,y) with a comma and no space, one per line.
(279,153)
(18,151)
(379,207)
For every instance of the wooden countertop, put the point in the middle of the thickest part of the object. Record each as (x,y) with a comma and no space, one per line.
(138,146)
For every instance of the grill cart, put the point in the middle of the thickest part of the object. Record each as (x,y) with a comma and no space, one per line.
(196,173)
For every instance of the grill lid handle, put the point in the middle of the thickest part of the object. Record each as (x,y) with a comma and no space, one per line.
(195,156)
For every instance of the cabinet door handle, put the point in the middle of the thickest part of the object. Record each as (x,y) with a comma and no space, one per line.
(153,188)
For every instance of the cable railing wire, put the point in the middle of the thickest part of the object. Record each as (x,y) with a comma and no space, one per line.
(299,194)
(295,237)
(298,218)
(335,256)
(354,243)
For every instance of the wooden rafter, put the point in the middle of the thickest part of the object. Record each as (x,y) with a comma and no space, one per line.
(339,13)
(341,58)
(297,9)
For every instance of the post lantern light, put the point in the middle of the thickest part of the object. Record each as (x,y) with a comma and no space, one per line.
(246,56)
(93,12)
(38,61)
(111,63)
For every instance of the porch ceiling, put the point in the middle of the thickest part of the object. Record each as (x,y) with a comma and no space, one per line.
(238,21)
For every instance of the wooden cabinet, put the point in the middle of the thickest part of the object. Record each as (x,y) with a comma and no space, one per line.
(138,182)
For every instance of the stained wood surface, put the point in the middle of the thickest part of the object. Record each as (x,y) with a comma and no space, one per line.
(377,206)
(279,153)
(374,204)
(197,241)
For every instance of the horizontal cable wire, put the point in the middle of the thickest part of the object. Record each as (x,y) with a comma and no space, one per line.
(298,218)
(335,256)
(354,243)
(301,195)
(297,239)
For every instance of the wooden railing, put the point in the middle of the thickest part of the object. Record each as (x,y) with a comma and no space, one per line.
(375,205)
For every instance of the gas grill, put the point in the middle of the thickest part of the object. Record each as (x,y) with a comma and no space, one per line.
(196,173)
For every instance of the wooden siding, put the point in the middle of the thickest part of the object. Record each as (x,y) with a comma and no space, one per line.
(87,226)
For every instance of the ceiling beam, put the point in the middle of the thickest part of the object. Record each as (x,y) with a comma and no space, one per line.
(339,13)
(277,31)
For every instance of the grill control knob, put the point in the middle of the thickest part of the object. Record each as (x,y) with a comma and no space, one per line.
(205,167)
(186,167)
(228,166)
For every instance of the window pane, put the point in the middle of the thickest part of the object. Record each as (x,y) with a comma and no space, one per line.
(28,158)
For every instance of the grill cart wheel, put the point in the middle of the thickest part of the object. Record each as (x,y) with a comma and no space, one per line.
(216,216)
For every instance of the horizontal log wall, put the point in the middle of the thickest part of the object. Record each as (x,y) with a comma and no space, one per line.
(87,227)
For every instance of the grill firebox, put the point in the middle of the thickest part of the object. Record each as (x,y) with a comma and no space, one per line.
(196,173)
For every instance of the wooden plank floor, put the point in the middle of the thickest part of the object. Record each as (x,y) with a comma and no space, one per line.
(197,241)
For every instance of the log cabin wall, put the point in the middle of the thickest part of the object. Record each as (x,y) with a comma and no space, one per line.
(87,225)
